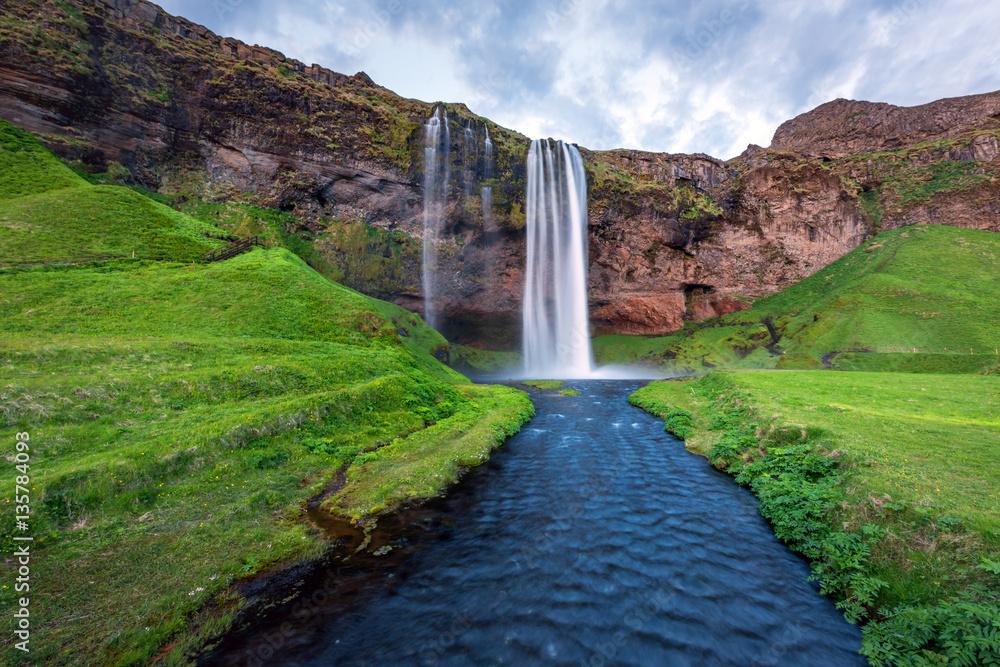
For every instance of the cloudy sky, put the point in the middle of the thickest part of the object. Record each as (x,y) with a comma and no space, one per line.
(663,75)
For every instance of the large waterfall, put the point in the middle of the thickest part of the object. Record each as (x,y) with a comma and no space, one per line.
(555,323)
(437,146)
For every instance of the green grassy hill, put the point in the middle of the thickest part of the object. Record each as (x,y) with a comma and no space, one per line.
(181,414)
(49,214)
(27,168)
(924,290)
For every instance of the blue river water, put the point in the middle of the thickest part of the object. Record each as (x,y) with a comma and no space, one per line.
(591,538)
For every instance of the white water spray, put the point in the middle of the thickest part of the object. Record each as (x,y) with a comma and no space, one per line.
(437,147)
(555,321)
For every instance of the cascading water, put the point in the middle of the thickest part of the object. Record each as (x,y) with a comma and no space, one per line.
(470,158)
(486,192)
(437,146)
(555,322)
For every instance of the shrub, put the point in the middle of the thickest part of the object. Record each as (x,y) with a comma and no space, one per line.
(958,633)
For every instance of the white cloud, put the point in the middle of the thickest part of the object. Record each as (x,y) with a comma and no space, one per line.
(413,65)
(679,77)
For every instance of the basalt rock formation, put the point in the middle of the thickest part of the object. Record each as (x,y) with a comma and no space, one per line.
(122,87)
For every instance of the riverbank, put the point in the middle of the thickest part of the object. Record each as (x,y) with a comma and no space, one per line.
(589,538)
(885,482)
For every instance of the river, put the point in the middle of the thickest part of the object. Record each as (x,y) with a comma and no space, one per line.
(591,538)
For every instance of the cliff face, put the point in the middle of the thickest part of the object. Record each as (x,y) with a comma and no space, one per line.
(186,111)
(123,87)
(689,237)
(846,127)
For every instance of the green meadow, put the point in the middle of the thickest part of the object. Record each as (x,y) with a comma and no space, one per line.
(182,414)
(929,440)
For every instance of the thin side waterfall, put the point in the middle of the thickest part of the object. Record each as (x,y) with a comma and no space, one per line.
(555,321)
(486,192)
(437,146)
(470,156)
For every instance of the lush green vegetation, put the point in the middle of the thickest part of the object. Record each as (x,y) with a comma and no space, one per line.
(551,385)
(182,414)
(370,259)
(888,485)
(180,407)
(694,349)
(678,421)
(26,168)
(107,222)
(474,360)
(37,192)
(931,290)
(954,362)
(928,440)
(544,384)
(432,458)
(916,175)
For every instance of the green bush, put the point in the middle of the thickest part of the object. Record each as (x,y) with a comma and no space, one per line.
(679,422)
(958,633)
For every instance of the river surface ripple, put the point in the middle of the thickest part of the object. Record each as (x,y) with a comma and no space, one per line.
(592,538)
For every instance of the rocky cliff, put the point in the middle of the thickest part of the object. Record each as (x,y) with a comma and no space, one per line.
(846,127)
(121,87)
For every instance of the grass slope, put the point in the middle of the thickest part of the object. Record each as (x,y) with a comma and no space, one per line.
(48,214)
(27,168)
(927,289)
(174,408)
(929,441)
(182,414)
(888,485)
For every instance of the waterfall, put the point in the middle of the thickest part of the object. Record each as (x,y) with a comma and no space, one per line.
(486,192)
(437,147)
(555,320)
(470,157)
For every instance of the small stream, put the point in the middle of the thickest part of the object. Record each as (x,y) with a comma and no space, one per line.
(591,538)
